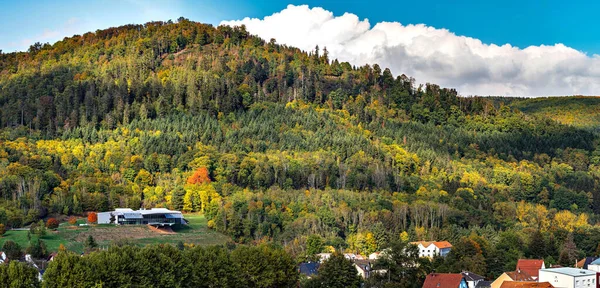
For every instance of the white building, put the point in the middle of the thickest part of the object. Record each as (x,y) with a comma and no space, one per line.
(595,265)
(323,256)
(430,249)
(154,216)
(567,277)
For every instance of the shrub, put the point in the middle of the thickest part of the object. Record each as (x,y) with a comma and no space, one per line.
(52,223)
(12,250)
(72,220)
(2,229)
(92,217)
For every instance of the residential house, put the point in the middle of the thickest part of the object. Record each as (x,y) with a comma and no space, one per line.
(531,266)
(3,257)
(323,256)
(516,276)
(594,265)
(377,255)
(568,277)
(51,256)
(522,284)
(309,269)
(585,262)
(442,280)
(484,284)
(472,278)
(363,267)
(352,256)
(432,248)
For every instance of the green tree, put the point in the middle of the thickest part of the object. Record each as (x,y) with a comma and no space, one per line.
(90,242)
(13,250)
(403,266)
(336,272)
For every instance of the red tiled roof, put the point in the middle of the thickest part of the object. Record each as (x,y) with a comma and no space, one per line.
(520,276)
(513,284)
(439,244)
(438,280)
(530,266)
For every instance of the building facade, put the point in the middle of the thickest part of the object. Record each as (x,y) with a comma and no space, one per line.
(567,277)
(430,249)
(154,217)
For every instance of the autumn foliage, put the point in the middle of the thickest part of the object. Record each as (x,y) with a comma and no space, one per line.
(92,217)
(199,177)
(2,229)
(52,223)
(72,220)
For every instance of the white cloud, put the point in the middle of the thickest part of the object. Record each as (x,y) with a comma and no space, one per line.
(434,55)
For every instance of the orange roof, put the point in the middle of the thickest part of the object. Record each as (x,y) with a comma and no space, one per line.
(530,266)
(438,280)
(512,284)
(580,263)
(520,276)
(439,244)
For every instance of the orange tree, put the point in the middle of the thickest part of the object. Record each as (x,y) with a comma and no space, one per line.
(92,217)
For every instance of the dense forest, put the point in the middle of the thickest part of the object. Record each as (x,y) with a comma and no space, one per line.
(277,145)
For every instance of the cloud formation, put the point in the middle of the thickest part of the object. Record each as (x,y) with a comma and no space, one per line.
(434,55)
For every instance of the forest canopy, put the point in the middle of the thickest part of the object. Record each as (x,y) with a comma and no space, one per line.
(274,144)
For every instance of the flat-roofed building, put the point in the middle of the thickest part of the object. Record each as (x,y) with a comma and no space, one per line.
(154,217)
(567,277)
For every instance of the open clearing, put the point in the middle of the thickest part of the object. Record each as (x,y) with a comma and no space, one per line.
(73,237)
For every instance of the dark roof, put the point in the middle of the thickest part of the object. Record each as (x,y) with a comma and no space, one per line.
(309,269)
(512,284)
(365,265)
(484,284)
(530,266)
(470,276)
(520,276)
(439,280)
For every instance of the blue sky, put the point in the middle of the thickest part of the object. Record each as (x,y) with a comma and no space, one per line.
(520,23)
(509,48)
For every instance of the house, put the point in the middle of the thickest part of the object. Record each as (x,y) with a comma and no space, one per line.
(51,256)
(484,284)
(531,266)
(154,216)
(516,276)
(472,278)
(442,280)
(323,256)
(377,255)
(363,267)
(594,265)
(568,277)
(309,269)
(3,257)
(583,263)
(522,284)
(352,256)
(431,248)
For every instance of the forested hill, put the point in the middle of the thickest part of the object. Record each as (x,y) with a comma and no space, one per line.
(274,144)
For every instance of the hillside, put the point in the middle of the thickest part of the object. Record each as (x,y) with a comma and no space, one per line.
(277,145)
(583,112)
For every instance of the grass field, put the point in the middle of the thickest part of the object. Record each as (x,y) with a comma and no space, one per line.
(73,237)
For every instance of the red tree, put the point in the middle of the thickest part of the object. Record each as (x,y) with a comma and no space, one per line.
(92,217)
(52,223)
(199,177)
